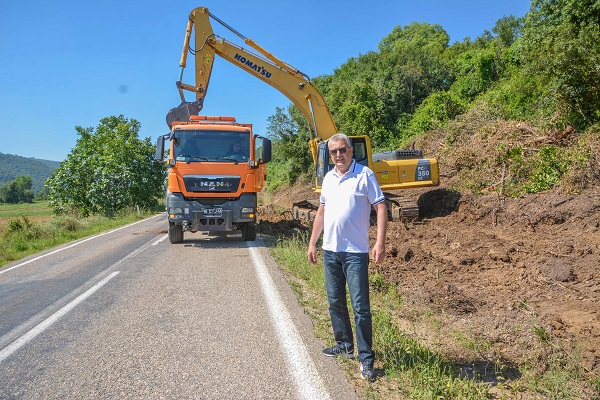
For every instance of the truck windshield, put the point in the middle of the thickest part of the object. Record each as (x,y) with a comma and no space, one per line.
(208,145)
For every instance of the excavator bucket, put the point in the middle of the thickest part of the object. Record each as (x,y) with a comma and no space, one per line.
(184,111)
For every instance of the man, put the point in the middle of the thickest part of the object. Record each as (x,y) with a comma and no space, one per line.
(235,150)
(348,192)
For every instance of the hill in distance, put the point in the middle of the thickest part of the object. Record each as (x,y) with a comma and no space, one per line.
(13,166)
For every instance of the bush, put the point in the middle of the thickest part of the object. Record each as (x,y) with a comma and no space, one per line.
(549,166)
(67,223)
(433,113)
(24,228)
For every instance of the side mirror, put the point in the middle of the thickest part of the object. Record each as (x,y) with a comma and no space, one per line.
(266,153)
(160,148)
(262,150)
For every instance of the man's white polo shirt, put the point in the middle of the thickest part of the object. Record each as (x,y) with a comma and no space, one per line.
(348,199)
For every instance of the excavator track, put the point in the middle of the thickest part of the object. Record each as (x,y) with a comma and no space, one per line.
(305,210)
(399,209)
(402,208)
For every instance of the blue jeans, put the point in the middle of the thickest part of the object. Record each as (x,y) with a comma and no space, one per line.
(353,269)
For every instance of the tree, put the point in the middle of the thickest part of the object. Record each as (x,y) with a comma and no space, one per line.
(374,93)
(508,29)
(290,142)
(17,191)
(108,170)
(560,45)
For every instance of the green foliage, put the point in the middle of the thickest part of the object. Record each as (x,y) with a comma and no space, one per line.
(513,160)
(550,166)
(24,237)
(508,29)
(291,154)
(541,333)
(560,43)
(109,170)
(521,97)
(373,93)
(25,228)
(434,112)
(584,162)
(17,191)
(278,174)
(476,71)
(541,68)
(359,114)
(501,157)
(537,172)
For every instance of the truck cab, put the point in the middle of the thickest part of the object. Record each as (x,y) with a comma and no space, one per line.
(216,168)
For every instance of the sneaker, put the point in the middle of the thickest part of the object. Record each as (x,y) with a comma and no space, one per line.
(338,350)
(367,372)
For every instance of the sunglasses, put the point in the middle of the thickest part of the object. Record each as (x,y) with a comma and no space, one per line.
(341,150)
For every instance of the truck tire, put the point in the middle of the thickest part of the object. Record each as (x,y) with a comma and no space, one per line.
(249,231)
(175,233)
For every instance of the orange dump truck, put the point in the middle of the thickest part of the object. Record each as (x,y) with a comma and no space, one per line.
(216,168)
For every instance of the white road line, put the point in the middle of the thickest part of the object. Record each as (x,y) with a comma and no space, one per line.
(17,344)
(300,365)
(73,245)
(160,240)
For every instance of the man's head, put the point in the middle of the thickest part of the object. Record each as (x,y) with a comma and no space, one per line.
(340,150)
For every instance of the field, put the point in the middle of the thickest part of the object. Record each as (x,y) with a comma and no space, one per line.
(38,213)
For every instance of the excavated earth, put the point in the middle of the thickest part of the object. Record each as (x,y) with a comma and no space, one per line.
(518,278)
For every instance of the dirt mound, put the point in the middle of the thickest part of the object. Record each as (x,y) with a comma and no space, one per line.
(503,261)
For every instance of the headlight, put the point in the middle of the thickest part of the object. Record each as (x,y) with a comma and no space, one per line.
(246,210)
(176,210)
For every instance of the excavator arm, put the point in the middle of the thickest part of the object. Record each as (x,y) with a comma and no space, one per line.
(288,80)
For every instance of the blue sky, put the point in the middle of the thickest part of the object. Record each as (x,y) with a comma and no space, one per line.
(68,63)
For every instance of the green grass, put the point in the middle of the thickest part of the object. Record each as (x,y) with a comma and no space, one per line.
(25,209)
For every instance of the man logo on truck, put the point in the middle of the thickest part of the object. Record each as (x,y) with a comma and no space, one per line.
(212,184)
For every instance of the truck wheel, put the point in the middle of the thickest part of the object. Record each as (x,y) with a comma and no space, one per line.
(249,231)
(175,233)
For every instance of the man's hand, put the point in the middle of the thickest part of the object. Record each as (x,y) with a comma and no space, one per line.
(312,253)
(314,236)
(378,252)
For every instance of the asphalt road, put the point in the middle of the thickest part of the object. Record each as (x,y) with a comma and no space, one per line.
(126,314)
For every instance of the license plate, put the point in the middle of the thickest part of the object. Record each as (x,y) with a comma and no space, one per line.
(213,212)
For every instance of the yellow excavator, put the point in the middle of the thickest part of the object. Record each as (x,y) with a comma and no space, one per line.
(397,169)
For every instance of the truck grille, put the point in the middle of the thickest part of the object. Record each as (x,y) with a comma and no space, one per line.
(195,183)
